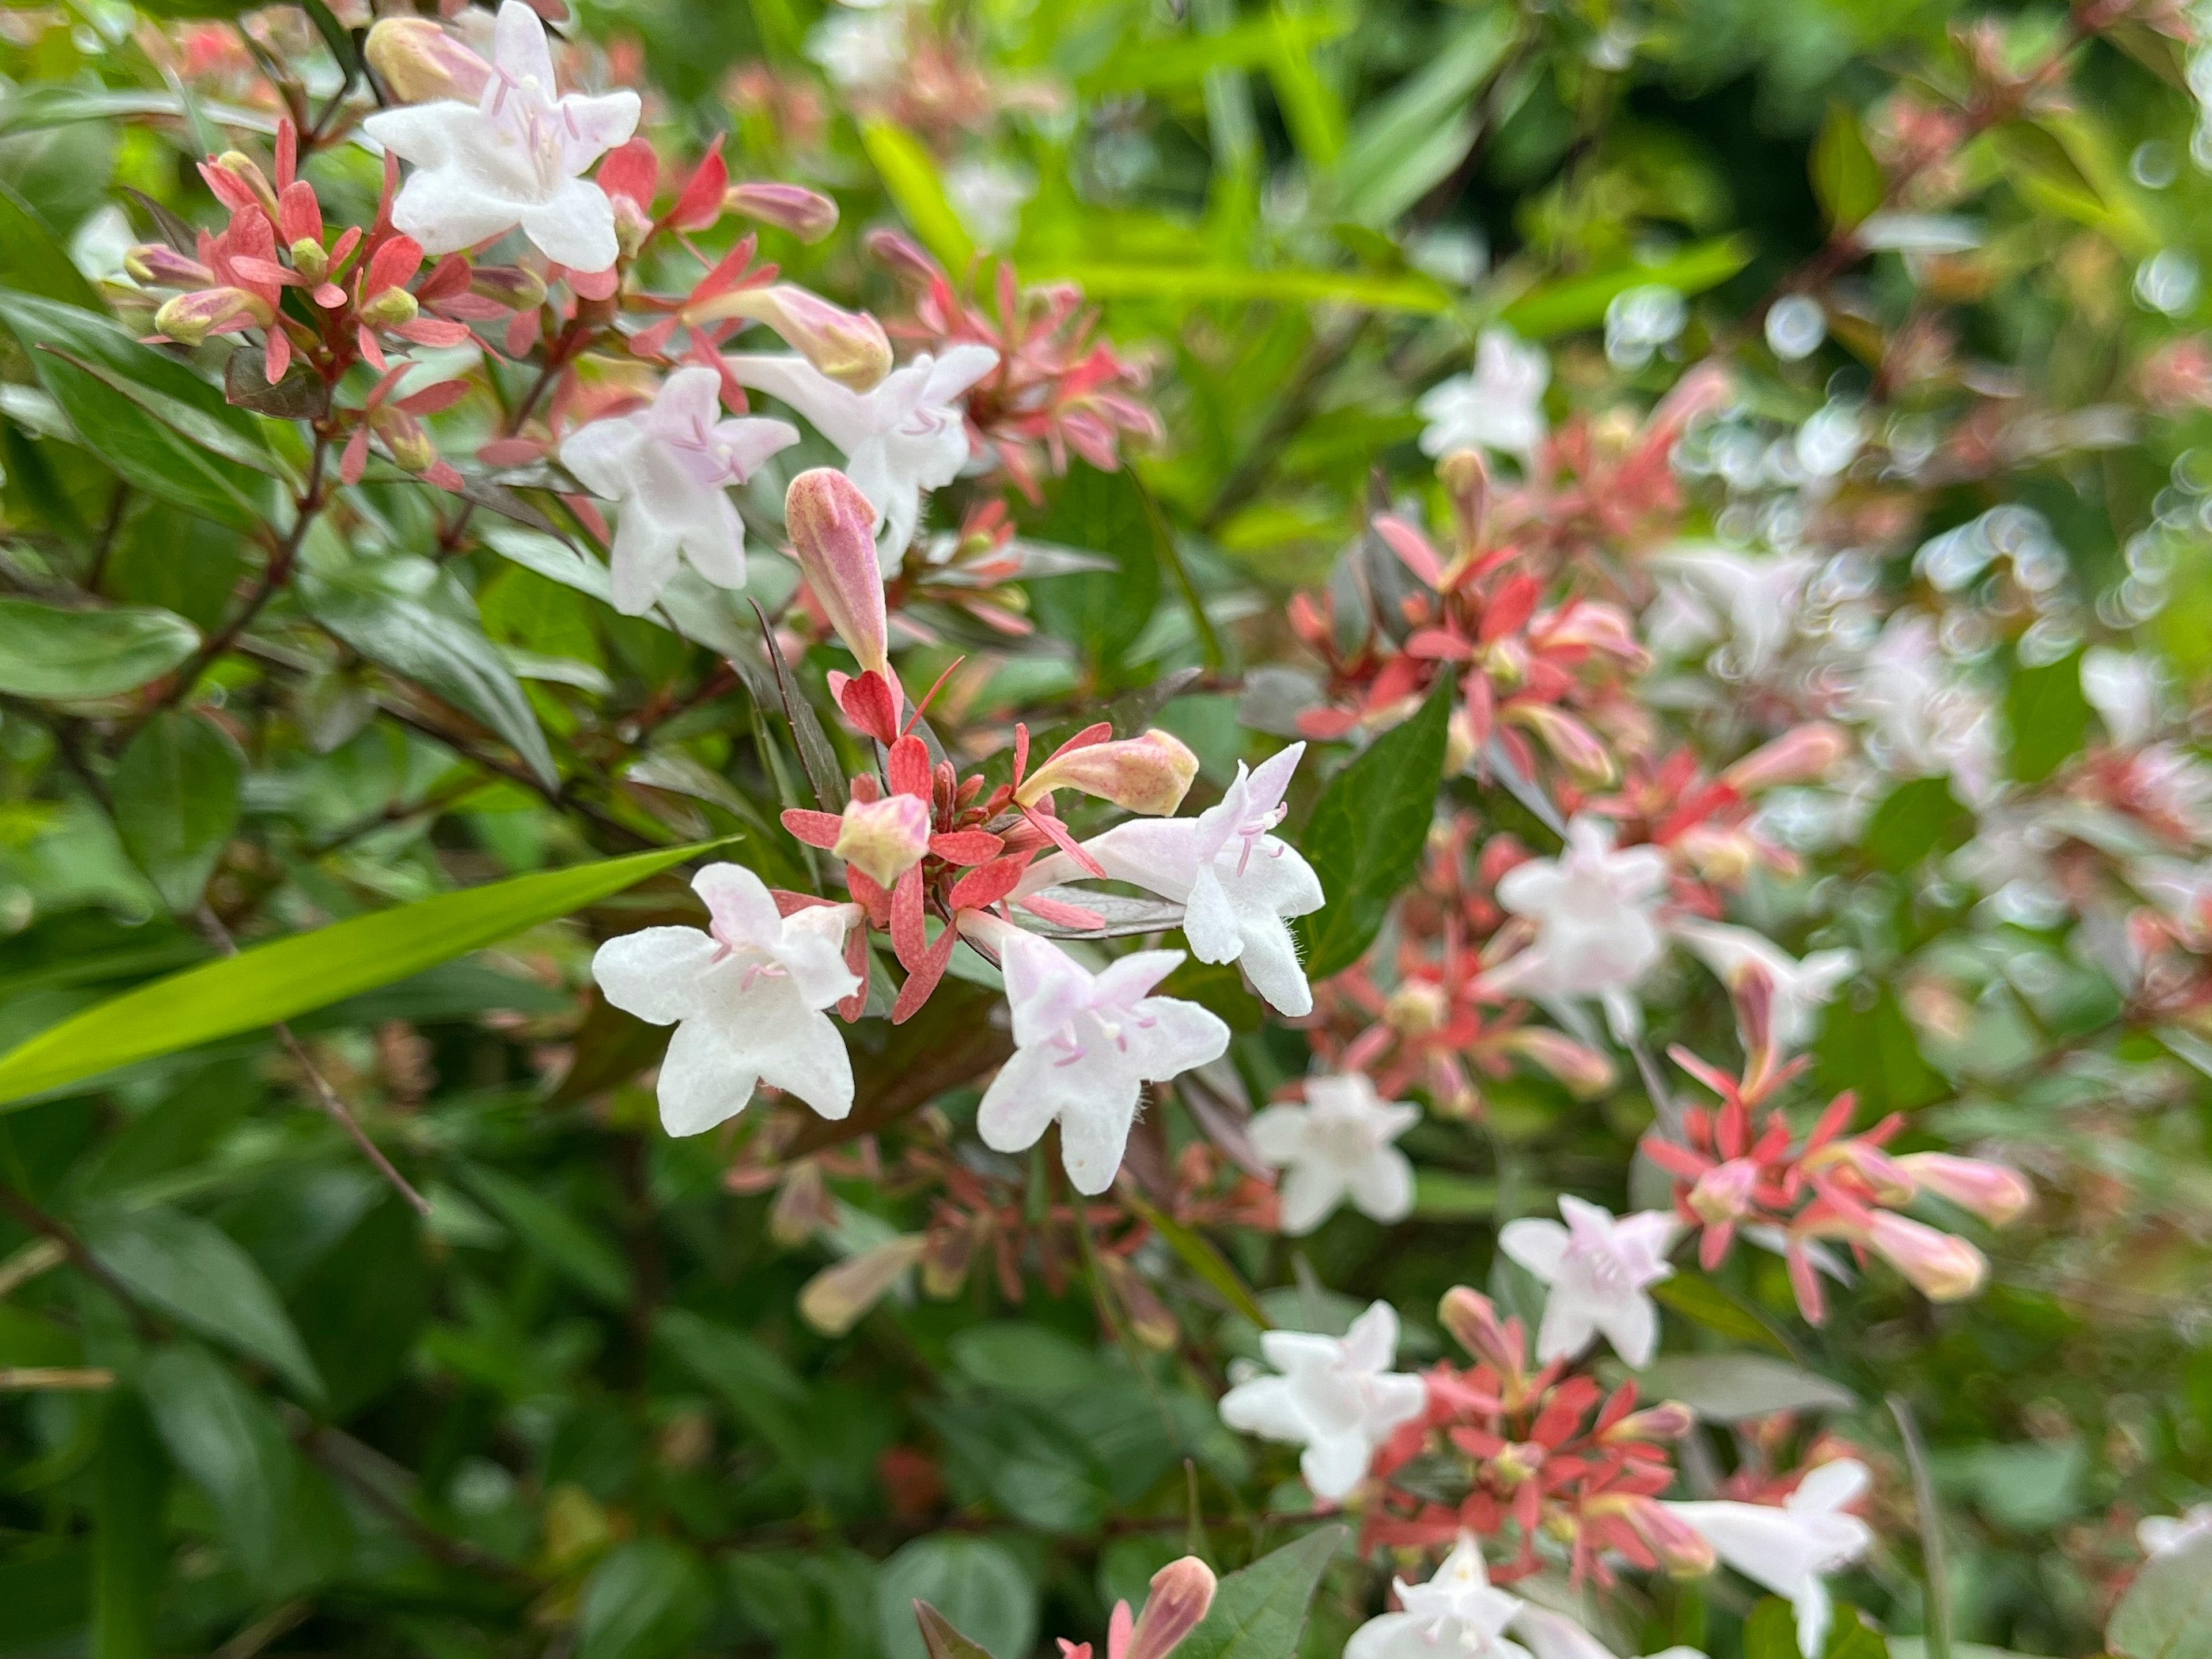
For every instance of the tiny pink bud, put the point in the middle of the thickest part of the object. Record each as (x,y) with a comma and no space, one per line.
(1892,1182)
(884,839)
(1997,1194)
(1586,1072)
(1723,1193)
(422,63)
(1802,756)
(158,264)
(1681,1549)
(807,214)
(516,287)
(1670,1420)
(833,533)
(1941,1267)
(409,445)
(188,319)
(849,346)
(238,163)
(1472,1318)
(1574,745)
(1182,1590)
(1150,774)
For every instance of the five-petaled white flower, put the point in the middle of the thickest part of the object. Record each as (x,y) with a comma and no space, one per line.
(1499,407)
(514,157)
(903,437)
(1597,1268)
(1338,1399)
(1338,1143)
(667,465)
(1800,988)
(1239,885)
(1457,1614)
(1594,910)
(1085,1045)
(1787,1547)
(745,998)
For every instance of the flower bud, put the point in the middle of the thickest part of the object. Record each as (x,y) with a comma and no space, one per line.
(309,259)
(1182,1590)
(803,1205)
(409,445)
(1941,1267)
(1148,773)
(1801,756)
(1472,1318)
(1574,745)
(884,839)
(188,319)
(834,1300)
(807,214)
(157,264)
(833,533)
(1670,1420)
(945,1260)
(850,347)
(1681,1549)
(516,287)
(1586,1072)
(1416,1008)
(243,166)
(422,63)
(391,308)
(1997,1194)
(1723,1194)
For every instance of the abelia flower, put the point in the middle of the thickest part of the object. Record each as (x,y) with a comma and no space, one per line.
(516,156)
(1239,885)
(667,465)
(1181,1591)
(1599,1269)
(903,438)
(833,535)
(1595,910)
(1787,1547)
(1084,1046)
(1456,1614)
(745,997)
(2162,1535)
(1335,1145)
(1799,988)
(1554,1636)
(1337,1398)
(1499,407)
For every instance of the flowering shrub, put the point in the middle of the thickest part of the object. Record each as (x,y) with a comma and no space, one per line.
(873,829)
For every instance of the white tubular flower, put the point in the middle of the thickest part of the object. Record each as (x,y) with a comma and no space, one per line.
(2122,686)
(1554,1636)
(2161,1534)
(1085,1045)
(1787,1547)
(1598,1269)
(1928,718)
(666,466)
(1498,408)
(903,437)
(1338,1399)
(1800,988)
(1239,885)
(1457,1614)
(514,157)
(1335,1145)
(745,997)
(1596,911)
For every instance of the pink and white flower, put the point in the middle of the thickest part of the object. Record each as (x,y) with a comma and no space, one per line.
(1599,1269)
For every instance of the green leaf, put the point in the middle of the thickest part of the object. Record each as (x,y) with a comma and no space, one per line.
(418,622)
(176,792)
(194,426)
(1259,1611)
(32,258)
(1100,612)
(192,1271)
(1200,1255)
(1577,302)
(759,1389)
(1845,176)
(1704,1302)
(1915,819)
(941,1640)
(2167,1611)
(131,1554)
(1311,108)
(1196,283)
(910,176)
(1403,145)
(1366,836)
(287,976)
(1160,65)
(2049,715)
(1727,1388)
(569,1247)
(648,1599)
(978,1584)
(64,656)
(1854,1636)
(146,451)
(1771,1632)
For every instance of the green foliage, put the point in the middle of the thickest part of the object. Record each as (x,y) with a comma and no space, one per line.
(2167,1611)
(46,652)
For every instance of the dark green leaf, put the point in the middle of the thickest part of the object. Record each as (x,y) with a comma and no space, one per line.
(2049,715)
(1845,176)
(32,258)
(824,777)
(1915,819)
(568,1246)
(1705,1302)
(1771,1632)
(648,1599)
(130,1553)
(1259,1611)
(1099,613)
(1727,1388)
(979,1585)
(176,793)
(63,656)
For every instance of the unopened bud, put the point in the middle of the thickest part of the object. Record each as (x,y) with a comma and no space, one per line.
(422,63)
(1802,756)
(157,264)
(1586,1072)
(1460,742)
(1472,1318)
(404,437)
(1997,1194)
(1575,745)
(1515,1461)
(1151,1322)
(390,309)
(1670,1420)
(1681,1548)
(850,347)
(884,839)
(1941,1267)
(244,167)
(807,214)
(309,259)
(1723,1194)
(516,287)
(834,1300)
(944,1260)
(1416,1008)
(833,533)
(1182,1590)
(1891,1182)
(803,1205)
(188,319)
(1150,774)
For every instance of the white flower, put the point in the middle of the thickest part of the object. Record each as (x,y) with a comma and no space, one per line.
(1595,910)
(1787,1547)
(1499,407)
(515,157)
(903,437)
(988,196)
(1597,1268)
(2161,1534)
(1554,1636)
(1338,1399)
(862,50)
(1709,595)
(1800,987)
(1339,1143)
(745,998)
(1455,1615)
(1239,885)
(667,465)
(1085,1045)
(2122,688)
(1929,719)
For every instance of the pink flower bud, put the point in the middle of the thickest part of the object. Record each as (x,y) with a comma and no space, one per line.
(516,287)
(1148,773)
(1997,1194)
(1681,1549)
(158,264)
(188,319)
(1182,1592)
(1472,1318)
(849,346)
(1892,1182)
(1670,1420)
(884,839)
(422,63)
(241,165)
(833,533)
(403,437)
(807,214)
(1586,1072)
(1941,1267)
(1801,756)
(1575,745)
(1723,1194)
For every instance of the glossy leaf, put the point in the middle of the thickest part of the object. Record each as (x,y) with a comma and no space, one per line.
(64,656)
(1259,1611)
(176,794)
(648,1599)
(909,174)
(977,1584)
